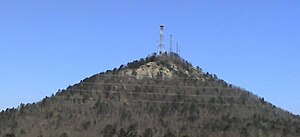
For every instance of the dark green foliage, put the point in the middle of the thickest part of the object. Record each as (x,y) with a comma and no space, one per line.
(192,118)
(262,100)
(122,133)
(130,132)
(134,64)
(212,100)
(134,73)
(101,107)
(49,115)
(109,131)
(244,132)
(22,132)
(64,135)
(148,133)
(86,125)
(169,134)
(10,135)
(124,114)
(121,67)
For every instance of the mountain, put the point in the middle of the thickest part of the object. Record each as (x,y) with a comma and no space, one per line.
(161,95)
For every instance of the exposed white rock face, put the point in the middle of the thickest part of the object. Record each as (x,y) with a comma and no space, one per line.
(164,67)
(152,70)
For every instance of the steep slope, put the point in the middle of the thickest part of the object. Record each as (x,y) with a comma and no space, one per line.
(161,95)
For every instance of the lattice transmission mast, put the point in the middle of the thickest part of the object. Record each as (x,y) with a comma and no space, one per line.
(171,43)
(161,39)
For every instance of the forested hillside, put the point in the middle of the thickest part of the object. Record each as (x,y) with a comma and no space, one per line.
(161,95)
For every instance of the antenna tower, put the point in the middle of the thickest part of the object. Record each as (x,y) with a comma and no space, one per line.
(161,39)
(177,48)
(171,43)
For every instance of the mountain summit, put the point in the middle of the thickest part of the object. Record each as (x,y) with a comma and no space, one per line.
(161,66)
(161,95)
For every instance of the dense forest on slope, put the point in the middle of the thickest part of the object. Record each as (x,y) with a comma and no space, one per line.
(161,95)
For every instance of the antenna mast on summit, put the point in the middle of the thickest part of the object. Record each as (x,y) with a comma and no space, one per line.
(171,43)
(177,48)
(161,39)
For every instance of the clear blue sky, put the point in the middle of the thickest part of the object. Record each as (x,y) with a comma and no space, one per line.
(50,44)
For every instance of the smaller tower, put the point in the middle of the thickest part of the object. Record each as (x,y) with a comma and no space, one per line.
(177,48)
(161,39)
(171,43)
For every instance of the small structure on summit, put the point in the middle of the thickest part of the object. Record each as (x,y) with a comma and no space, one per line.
(171,43)
(161,39)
